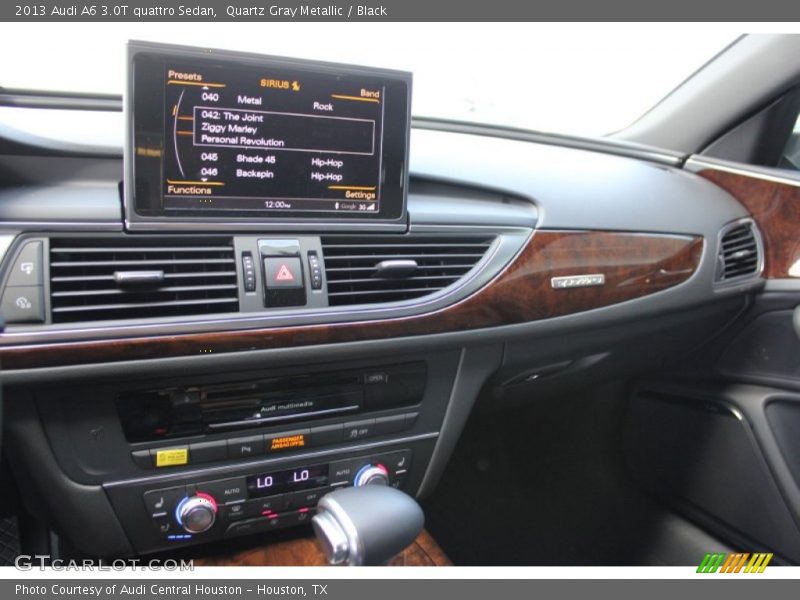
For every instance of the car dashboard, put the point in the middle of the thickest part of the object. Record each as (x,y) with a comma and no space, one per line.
(154,376)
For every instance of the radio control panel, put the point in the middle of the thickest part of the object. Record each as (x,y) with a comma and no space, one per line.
(284,406)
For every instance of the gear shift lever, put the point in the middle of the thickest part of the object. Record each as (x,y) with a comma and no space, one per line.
(366,525)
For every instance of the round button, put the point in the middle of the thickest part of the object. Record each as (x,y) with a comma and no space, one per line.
(372,475)
(197,514)
(199,519)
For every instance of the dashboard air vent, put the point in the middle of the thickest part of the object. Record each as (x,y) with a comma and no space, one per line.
(378,269)
(107,278)
(739,252)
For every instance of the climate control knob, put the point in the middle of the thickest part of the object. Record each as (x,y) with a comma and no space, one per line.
(197,513)
(371,475)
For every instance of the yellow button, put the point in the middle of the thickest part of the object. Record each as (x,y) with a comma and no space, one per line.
(172,457)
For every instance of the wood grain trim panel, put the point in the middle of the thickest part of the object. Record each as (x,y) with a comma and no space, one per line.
(305,552)
(634,265)
(775,207)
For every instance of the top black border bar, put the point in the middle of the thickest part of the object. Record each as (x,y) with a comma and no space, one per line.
(401,11)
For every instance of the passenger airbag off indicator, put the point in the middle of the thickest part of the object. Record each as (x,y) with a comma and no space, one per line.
(283,272)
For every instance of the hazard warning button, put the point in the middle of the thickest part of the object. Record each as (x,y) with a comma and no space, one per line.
(283,272)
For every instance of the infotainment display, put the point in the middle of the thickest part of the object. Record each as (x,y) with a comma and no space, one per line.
(218,137)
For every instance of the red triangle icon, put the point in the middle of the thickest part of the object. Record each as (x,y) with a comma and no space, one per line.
(284,274)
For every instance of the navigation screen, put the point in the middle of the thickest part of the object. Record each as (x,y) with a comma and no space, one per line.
(268,138)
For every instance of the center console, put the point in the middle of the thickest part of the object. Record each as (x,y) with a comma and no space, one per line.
(205,457)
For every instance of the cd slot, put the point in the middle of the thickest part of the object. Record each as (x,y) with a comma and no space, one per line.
(288,410)
(216,407)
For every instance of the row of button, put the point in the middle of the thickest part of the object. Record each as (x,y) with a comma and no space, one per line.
(274,504)
(229,493)
(269,513)
(258,445)
(249,272)
(269,523)
(314,271)
(23,297)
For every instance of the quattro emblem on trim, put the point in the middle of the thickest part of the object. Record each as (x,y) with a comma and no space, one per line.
(575,281)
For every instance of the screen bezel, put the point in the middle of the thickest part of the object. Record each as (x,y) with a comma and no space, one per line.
(393,217)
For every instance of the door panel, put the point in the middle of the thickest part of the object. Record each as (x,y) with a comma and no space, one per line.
(701,449)
(720,437)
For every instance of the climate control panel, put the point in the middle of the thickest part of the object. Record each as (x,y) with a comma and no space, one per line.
(264,500)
